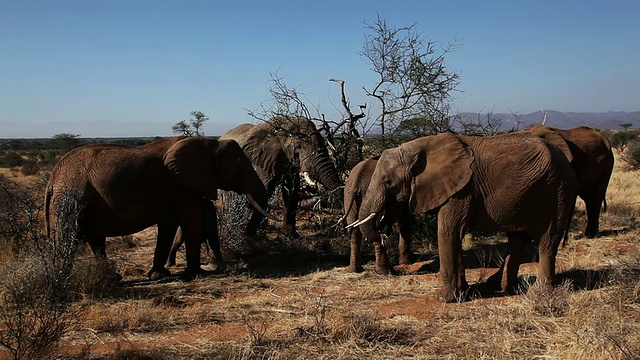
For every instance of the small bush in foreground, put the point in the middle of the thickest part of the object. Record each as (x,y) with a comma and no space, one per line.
(36,290)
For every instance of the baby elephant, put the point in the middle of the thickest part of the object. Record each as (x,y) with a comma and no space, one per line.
(209,231)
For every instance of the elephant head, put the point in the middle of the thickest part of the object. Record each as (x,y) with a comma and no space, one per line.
(304,148)
(284,147)
(423,174)
(206,165)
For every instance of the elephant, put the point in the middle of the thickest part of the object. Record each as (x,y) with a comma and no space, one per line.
(592,160)
(285,147)
(122,190)
(209,233)
(355,188)
(515,183)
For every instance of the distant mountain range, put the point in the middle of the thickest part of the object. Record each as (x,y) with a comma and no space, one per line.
(118,129)
(564,120)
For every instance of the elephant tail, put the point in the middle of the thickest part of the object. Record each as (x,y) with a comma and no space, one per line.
(565,237)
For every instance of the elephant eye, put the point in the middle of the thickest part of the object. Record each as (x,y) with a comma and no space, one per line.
(386,183)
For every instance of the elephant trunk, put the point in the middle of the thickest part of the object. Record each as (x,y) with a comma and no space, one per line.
(371,214)
(368,223)
(322,169)
(255,191)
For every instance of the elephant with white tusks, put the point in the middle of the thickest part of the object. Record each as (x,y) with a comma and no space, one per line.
(122,190)
(285,147)
(515,183)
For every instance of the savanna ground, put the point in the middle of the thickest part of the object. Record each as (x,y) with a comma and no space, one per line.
(295,300)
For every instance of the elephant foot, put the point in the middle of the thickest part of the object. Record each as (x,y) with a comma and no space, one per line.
(221,267)
(355,268)
(171,262)
(385,270)
(447,295)
(495,281)
(499,283)
(157,274)
(194,273)
(404,260)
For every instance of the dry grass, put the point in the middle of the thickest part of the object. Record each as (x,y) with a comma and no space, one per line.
(275,308)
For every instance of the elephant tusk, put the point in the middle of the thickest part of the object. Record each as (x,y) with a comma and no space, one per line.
(383,239)
(354,224)
(360,222)
(308,179)
(260,209)
(331,146)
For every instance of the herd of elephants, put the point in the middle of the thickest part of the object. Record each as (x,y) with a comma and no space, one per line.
(522,183)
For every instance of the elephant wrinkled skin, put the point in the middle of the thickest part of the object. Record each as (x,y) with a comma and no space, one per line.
(355,188)
(592,160)
(284,147)
(514,183)
(122,190)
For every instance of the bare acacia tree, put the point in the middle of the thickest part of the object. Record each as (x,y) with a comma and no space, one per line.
(411,72)
(191,127)
(487,124)
(349,146)
(289,102)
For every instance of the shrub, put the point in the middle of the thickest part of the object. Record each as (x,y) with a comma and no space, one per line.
(631,155)
(620,139)
(36,290)
(11,159)
(19,215)
(47,155)
(29,167)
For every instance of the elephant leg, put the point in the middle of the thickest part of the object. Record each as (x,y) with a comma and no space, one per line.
(166,235)
(548,249)
(211,233)
(254,223)
(98,246)
(506,277)
(355,261)
(593,205)
(177,243)
(404,244)
(451,230)
(290,197)
(383,265)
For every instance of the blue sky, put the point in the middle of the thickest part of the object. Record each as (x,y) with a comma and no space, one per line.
(133,68)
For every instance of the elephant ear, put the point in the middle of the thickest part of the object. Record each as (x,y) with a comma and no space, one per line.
(192,163)
(264,149)
(441,168)
(553,137)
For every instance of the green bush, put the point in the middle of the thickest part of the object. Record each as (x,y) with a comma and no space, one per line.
(621,139)
(47,155)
